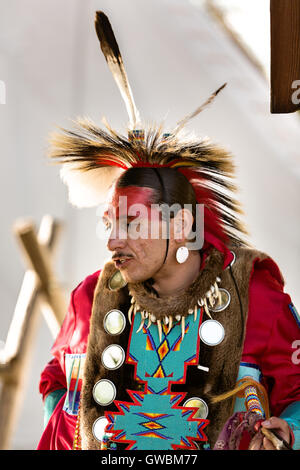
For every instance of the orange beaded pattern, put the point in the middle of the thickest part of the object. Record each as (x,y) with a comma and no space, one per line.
(77,436)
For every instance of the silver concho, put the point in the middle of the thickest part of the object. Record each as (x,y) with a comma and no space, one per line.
(99,428)
(114,322)
(199,403)
(116,281)
(113,356)
(225,301)
(104,392)
(211,332)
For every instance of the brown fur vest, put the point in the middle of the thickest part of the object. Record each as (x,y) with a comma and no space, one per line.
(223,360)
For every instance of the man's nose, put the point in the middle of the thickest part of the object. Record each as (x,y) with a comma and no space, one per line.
(115,243)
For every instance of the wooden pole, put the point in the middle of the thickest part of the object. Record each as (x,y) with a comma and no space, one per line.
(38,259)
(38,289)
(285,56)
(16,357)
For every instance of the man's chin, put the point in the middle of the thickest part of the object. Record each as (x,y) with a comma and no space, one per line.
(131,277)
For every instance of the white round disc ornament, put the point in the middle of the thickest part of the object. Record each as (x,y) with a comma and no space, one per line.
(114,322)
(182,254)
(211,332)
(104,392)
(113,356)
(225,301)
(116,281)
(99,428)
(199,403)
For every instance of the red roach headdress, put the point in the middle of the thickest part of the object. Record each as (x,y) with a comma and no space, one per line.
(93,158)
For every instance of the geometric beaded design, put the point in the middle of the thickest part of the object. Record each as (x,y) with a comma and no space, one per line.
(74,369)
(155,418)
(252,401)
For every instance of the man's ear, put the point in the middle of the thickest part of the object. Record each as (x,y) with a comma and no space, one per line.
(183,223)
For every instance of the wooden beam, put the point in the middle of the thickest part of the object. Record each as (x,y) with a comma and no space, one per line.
(285,56)
(38,258)
(38,290)
(16,357)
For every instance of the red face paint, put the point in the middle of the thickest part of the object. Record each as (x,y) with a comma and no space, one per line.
(134,195)
(123,201)
(131,203)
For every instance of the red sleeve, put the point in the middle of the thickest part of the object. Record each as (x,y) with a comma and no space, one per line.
(53,376)
(72,337)
(64,337)
(270,333)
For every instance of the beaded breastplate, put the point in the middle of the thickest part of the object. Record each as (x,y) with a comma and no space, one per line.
(157,418)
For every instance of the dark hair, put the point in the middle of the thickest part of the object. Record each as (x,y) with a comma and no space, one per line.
(169,185)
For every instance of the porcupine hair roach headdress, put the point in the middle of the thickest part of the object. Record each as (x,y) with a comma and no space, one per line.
(94,158)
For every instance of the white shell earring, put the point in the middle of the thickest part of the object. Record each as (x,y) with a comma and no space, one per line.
(182,254)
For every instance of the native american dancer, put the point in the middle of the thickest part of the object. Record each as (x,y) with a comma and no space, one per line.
(184,339)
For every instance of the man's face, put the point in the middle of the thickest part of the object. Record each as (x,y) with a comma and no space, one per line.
(136,241)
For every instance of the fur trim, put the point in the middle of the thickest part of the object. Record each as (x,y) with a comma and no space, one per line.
(179,304)
(104,300)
